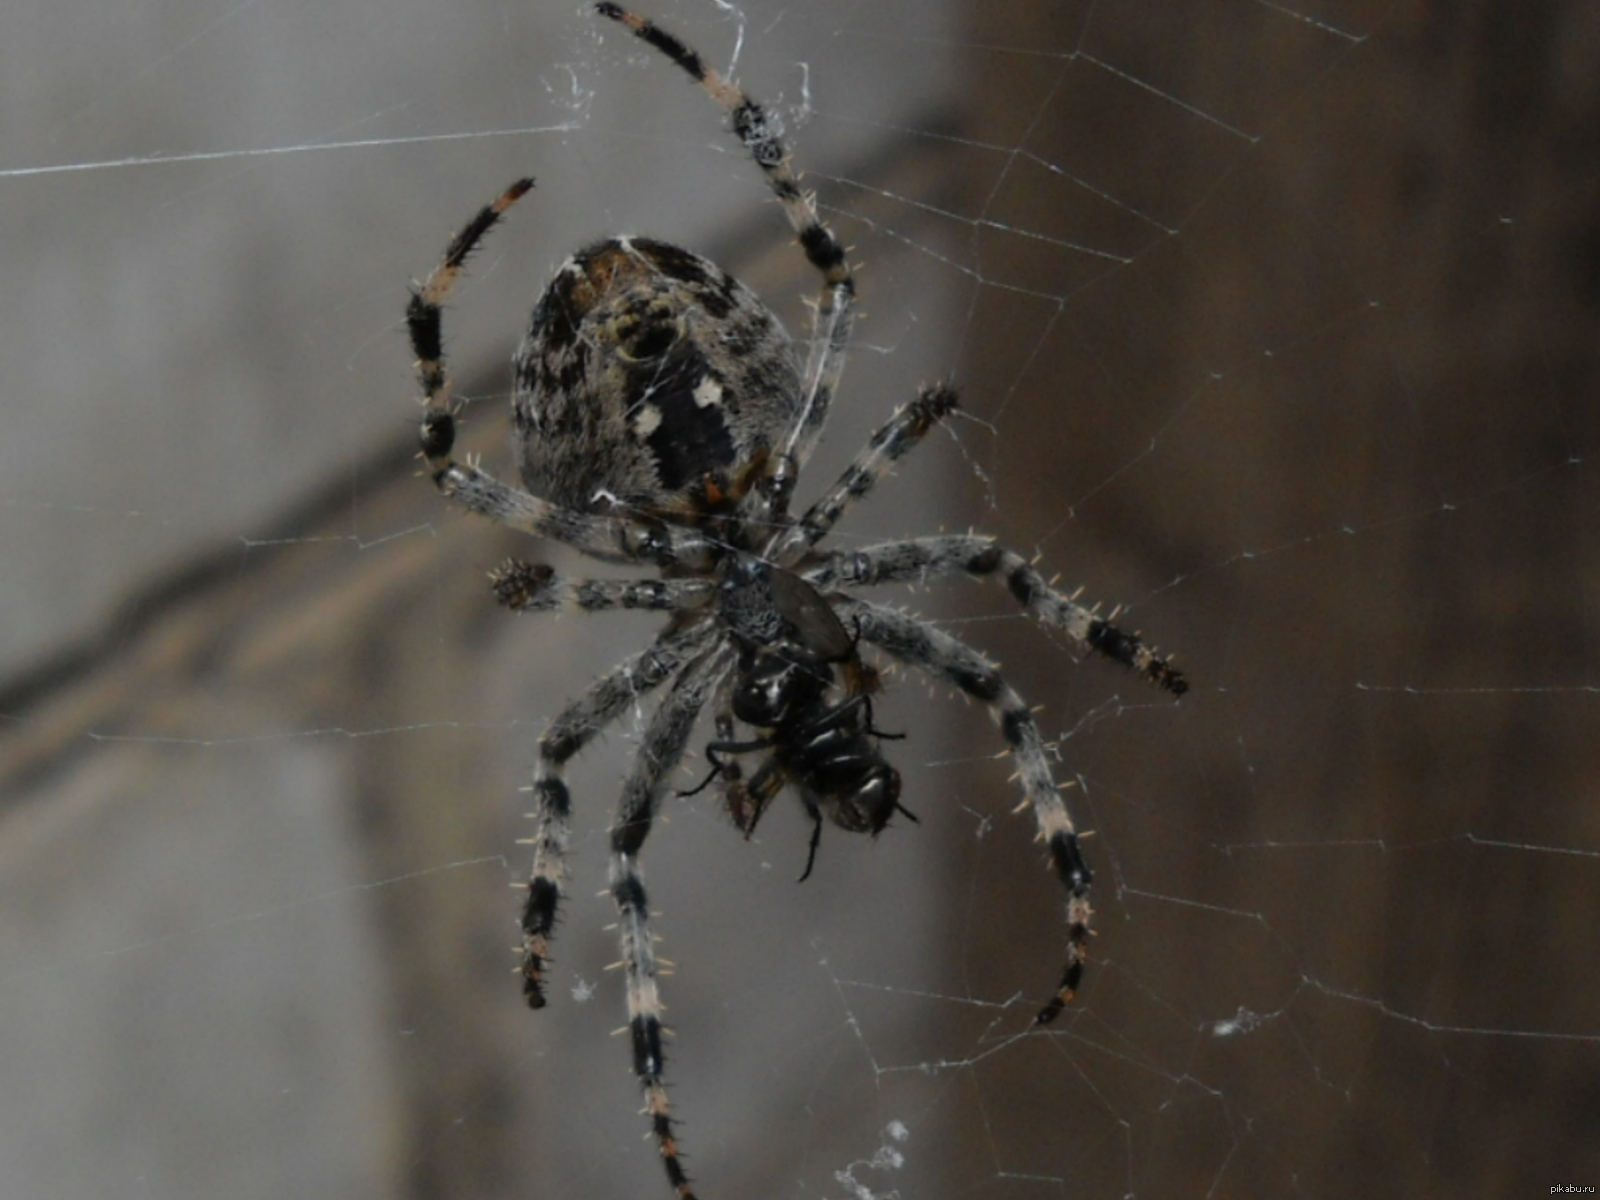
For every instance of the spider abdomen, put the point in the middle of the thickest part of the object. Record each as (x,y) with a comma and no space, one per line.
(649,379)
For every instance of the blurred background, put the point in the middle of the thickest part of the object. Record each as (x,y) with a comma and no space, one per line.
(1275,324)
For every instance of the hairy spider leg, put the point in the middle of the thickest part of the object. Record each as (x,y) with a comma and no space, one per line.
(936,652)
(535,587)
(901,434)
(762,138)
(664,740)
(572,729)
(915,560)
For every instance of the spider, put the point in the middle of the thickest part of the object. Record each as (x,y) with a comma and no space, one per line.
(661,415)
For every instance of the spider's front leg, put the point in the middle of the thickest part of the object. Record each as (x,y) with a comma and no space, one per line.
(901,434)
(917,560)
(761,137)
(933,651)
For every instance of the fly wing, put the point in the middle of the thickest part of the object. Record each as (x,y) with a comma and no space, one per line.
(816,625)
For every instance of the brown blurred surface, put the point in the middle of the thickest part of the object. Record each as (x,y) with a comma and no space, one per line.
(1366,371)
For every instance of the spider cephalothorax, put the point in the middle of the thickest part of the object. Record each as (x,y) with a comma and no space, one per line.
(661,417)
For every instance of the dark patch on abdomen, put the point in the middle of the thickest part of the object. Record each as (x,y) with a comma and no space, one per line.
(692,439)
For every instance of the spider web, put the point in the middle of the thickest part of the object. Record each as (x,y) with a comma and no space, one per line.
(1273,322)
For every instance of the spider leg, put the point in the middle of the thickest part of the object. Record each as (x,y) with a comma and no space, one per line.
(664,742)
(535,587)
(762,138)
(916,560)
(611,539)
(572,729)
(899,435)
(931,649)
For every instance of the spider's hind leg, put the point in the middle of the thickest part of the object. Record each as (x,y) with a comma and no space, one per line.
(932,650)
(572,729)
(662,751)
